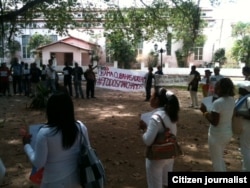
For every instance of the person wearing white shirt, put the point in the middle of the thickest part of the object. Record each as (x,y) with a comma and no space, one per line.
(57,144)
(51,76)
(220,119)
(166,105)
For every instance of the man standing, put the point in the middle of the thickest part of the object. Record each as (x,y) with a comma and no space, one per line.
(213,80)
(157,73)
(4,79)
(193,86)
(91,79)
(78,72)
(35,74)
(205,83)
(159,70)
(67,79)
(16,70)
(149,76)
(51,76)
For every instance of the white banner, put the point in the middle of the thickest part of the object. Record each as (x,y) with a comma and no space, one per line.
(131,80)
(120,79)
(168,80)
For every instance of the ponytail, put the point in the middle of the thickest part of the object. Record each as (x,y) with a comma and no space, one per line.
(170,103)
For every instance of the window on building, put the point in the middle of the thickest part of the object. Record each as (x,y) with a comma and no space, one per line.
(198,53)
(139,47)
(53,38)
(25,41)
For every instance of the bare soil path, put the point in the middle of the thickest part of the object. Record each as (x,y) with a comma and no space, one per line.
(112,124)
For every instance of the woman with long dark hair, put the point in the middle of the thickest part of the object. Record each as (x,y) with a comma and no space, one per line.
(58,144)
(166,105)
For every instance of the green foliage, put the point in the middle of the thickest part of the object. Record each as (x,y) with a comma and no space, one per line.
(240,30)
(180,58)
(219,56)
(121,50)
(39,101)
(241,47)
(155,22)
(188,26)
(152,59)
(37,40)
(14,46)
(149,22)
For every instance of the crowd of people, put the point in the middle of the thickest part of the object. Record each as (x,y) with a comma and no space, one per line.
(62,128)
(23,79)
(218,111)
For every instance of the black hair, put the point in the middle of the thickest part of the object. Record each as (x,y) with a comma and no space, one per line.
(14,61)
(60,114)
(170,103)
(226,87)
(243,91)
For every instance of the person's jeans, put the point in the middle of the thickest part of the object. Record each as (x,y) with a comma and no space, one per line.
(78,88)
(90,88)
(51,84)
(17,84)
(68,85)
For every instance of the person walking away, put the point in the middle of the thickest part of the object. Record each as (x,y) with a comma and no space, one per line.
(35,78)
(166,105)
(212,81)
(51,76)
(193,87)
(57,144)
(16,71)
(77,73)
(244,112)
(91,80)
(220,119)
(148,80)
(4,79)
(205,83)
(67,77)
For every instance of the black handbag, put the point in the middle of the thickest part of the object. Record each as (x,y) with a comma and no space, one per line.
(165,145)
(91,169)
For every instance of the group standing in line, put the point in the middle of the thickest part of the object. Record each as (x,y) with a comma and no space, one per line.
(24,79)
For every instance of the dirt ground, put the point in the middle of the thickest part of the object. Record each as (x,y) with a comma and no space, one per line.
(112,121)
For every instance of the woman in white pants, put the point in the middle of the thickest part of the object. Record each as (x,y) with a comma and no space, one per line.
(165,105)
(220,119)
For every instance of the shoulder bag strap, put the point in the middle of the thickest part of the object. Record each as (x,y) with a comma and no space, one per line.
(162,122)
(240,101)
(82,137)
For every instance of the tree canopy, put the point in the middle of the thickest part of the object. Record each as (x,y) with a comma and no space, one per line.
(148,22)
(241,47)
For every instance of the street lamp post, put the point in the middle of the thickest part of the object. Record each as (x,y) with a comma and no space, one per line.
(161,51)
